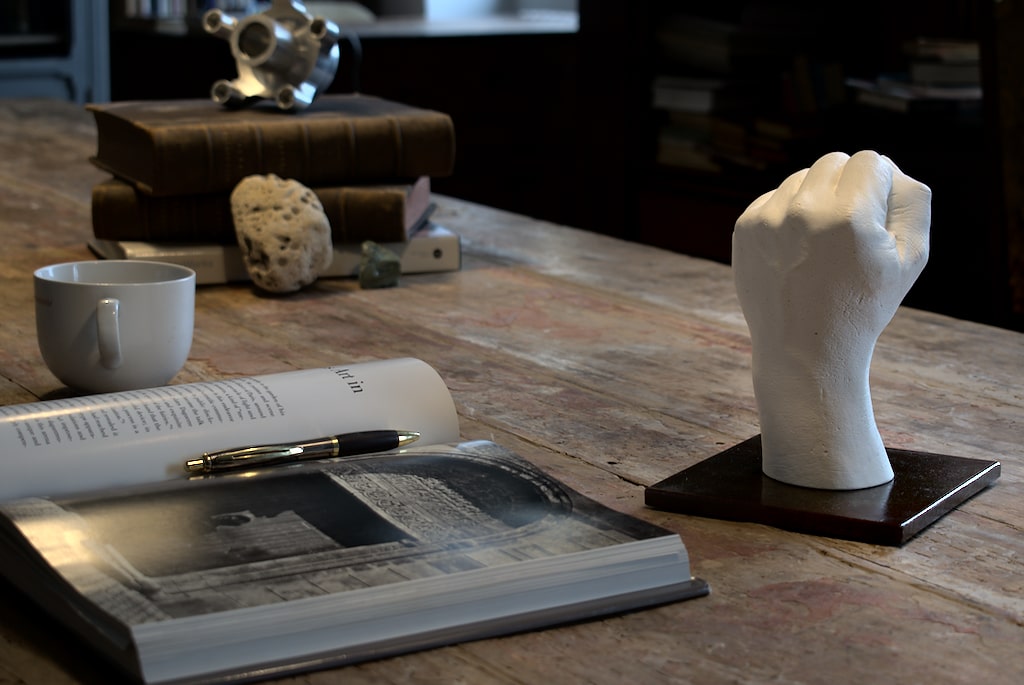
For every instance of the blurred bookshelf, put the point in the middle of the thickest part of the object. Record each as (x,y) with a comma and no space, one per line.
(171,17)
(726,99)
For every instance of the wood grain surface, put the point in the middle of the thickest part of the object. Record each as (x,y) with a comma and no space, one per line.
(610,365)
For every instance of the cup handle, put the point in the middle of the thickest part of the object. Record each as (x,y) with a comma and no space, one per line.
(108,332)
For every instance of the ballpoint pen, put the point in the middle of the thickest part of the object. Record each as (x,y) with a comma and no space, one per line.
(345,445)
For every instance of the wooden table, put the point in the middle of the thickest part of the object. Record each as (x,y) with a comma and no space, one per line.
(611,365)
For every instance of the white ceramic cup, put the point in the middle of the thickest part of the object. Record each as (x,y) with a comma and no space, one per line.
(109,325)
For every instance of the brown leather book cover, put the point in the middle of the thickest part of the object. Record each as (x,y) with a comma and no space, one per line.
(382,213)
(181,147)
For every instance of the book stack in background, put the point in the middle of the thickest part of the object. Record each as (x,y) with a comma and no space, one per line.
(174,163)
(739,90)
(941,76)
(944,63)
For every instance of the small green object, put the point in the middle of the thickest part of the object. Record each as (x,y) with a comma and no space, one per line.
(379,267)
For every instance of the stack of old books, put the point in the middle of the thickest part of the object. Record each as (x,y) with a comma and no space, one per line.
(174,163)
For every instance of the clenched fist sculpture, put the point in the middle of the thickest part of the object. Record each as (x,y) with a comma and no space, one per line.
(821,264)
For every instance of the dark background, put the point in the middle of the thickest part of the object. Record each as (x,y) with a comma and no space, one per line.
(559,126)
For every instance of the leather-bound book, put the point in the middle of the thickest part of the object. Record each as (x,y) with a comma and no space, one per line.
(383,213)
(181,147)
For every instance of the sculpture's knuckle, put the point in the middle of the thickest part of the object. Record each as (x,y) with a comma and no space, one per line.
(804,215)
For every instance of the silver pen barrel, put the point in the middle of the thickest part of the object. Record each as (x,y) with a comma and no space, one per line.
(262,455)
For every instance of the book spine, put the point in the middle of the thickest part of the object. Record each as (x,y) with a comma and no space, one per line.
(119,212)
(356,213)
(432,249)
(204,158)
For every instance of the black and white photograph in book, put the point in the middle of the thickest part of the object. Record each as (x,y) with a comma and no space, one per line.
(314,564)
(184,551)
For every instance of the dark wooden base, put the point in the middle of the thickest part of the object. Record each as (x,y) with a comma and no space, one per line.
(730,485)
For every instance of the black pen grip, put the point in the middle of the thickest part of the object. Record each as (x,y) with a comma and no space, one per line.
(366,442)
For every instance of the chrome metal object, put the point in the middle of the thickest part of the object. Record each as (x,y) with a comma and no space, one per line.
(282,54)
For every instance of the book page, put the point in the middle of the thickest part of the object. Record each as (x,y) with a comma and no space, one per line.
(124,438)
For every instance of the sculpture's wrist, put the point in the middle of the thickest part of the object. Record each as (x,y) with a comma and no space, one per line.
(818,427)
(818,405)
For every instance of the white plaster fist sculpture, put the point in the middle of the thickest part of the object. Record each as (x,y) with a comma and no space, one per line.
(821,265)
(283,232)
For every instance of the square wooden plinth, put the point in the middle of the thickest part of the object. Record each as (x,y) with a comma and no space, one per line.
(730,485)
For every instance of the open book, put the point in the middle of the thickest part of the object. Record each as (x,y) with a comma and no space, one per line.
(316,563)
